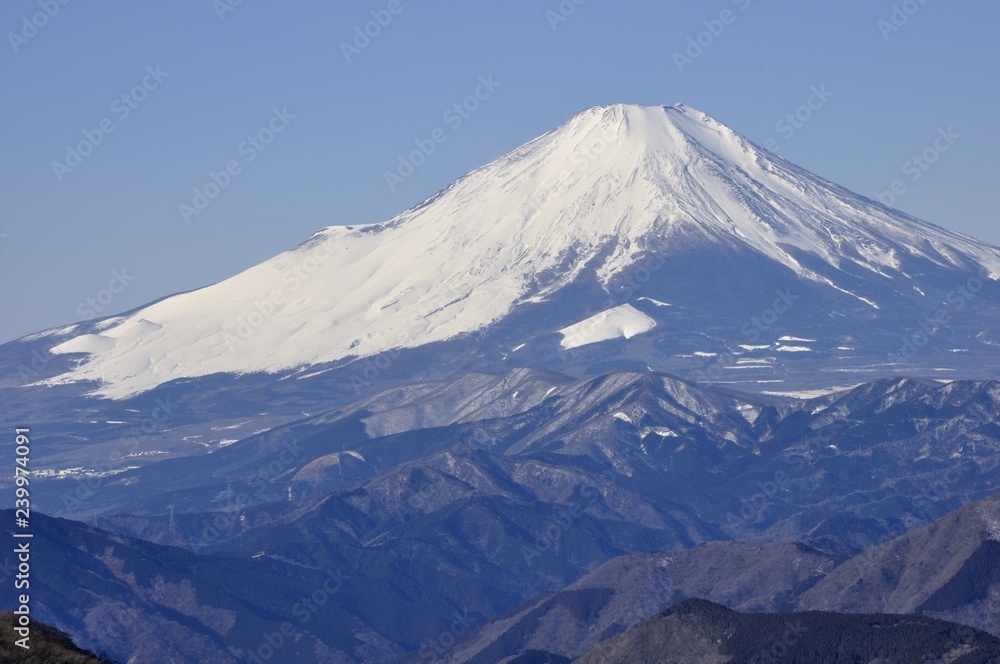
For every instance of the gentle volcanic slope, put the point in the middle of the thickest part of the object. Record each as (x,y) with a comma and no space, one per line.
(595,194)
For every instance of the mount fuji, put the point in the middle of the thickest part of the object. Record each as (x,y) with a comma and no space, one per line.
(494,393)
(630,237)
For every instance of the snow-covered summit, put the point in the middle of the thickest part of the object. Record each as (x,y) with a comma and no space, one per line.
(611,185)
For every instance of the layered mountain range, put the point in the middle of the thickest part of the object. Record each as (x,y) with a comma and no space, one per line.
(699,632)
(637,360)
(483,496)
(946,570)
(132,598)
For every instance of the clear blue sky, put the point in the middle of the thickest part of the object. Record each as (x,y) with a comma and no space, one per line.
(892,91)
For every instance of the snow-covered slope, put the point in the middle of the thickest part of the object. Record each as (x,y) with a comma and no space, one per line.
(594,195)
(624,321)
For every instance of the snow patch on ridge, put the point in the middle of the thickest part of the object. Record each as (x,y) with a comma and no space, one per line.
(624,321)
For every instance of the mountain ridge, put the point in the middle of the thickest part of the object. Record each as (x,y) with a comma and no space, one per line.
(578,207)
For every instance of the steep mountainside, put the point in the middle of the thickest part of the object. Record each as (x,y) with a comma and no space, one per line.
(45,645)
(949,569)
(699,632)
(630,589)
(142,602)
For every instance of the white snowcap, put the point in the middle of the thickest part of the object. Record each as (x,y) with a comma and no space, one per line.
(612,183)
